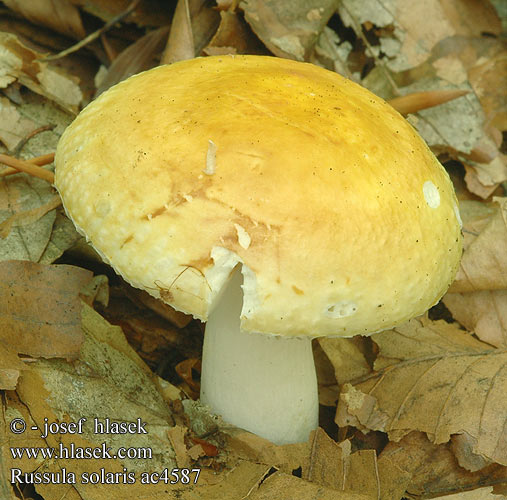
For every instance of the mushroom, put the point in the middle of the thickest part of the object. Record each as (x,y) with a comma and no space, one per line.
(274,199)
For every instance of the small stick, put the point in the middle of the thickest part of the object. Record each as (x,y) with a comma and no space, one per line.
(92,36)
(25,139)
(411,103)
(28,167)
(38,160)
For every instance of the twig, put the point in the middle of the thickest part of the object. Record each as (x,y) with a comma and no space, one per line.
(27,167)
(38,160)
(92,36)
(25,139)
(411,103)
(380,62)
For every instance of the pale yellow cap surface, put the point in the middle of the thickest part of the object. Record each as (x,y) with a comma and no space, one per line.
(343,220)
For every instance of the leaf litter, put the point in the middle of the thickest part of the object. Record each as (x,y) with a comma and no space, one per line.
(418,411)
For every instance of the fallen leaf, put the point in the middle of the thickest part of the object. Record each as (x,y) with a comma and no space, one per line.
(29,216)
(194,23)
(18,194)
(426,375)
(43,79)
(291,30)
(433,470)
(233,36)
(478,494)
(63,236)
(10,368)
(59,15)
(40,310)
(483,312)
(458,124)
(286,487)
(180,45)
(347,357)
(176,435)
(13,126)
(137,57)
(146,13)
(404,41)
(108,380)
(484,262)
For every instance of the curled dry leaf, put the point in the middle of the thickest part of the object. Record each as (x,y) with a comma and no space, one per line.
(28,217)
(193,26)
(40,309)
(403,40)
(18,62)
(108,380)
(180,45)
(484,262)
(478,298)
(289,30)
(233,36)
(59,15)
(483,312)
(432,377)
(478,494)
(146,13)
(13,126)
(346,356)
(19,194)
(432,470)
(135,58)
(10,368)
(284,486)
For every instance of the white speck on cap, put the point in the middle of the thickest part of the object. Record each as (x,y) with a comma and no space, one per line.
(243,237)
(431,194)
(341,309)
(211,158)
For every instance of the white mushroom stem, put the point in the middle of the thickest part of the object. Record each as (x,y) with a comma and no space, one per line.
(261,383)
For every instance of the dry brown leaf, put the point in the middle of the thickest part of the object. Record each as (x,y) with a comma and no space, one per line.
(18,62)
(107,381)
(432,377)
(180,45)
(484,263)
(40,309)
(18,194)
(233,484)
(10,368)
(248,446)
(59,15)
(286,487)
(147,13)
(327,461)
(28,217)
(462,445)
(135,58)
(405,41)
(347,357)
(176,435)
(193,26)
(233,36)
(289,30)
(432,469)
(13,126)
(177,318)
(478,494)
(483,312)
(63,236)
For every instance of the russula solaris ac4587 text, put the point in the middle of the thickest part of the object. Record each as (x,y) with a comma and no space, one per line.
(274,199)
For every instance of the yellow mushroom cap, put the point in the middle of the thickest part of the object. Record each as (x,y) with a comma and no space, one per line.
(343,220)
